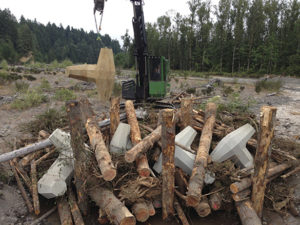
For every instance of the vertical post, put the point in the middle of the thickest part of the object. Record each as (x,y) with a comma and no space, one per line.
(168,167)
(186,112)
(263,153)
(114,115)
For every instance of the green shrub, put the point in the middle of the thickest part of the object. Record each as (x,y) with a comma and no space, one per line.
(21,86)
(30,99)
(269,85)
(45,85)
(65,63)
(64,95)
(4,64)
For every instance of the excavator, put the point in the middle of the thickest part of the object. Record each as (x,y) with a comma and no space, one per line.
(151,81)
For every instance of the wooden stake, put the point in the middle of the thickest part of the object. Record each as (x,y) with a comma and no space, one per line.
(197,178)
(21,188)
(261,161)
(186,112)
(82,157)
(64,212)
(77,218)
(203,208)
(247,214)
(35,194)
(116,211)
(114,115)
(168,167)
(143,146)
(103,157)
(141,211)
(180,213)
(135,135)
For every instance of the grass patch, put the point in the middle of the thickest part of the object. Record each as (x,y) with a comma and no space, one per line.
(92,93)
(21,86)
(45,85)
(48,121)
(64,95)
(30,99)
(8,77)
(269,85)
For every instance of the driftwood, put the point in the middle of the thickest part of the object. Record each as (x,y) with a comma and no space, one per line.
(64,212)
(261,161)
(116,211)
(77,218)
(186,112)
(25,150)
(21,188)
(135,135)
(197,178)
(168,167)
(143,146)
(103,157)
(141,211)
(247,213)
(114,115)
(247,182)
(180,212)
(35,194)
(37,221)
(81,162)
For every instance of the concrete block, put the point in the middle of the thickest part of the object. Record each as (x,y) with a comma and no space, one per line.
(233,145)
(53,182)
(121,140)
(183,159)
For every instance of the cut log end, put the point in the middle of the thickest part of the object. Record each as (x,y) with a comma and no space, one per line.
(109,174)
(203,209)
(141,211)
(234,189)
(128,221)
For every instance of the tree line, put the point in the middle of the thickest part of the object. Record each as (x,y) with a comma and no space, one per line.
(49,42)
(235,36)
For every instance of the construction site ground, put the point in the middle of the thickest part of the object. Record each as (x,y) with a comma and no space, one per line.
(12,207)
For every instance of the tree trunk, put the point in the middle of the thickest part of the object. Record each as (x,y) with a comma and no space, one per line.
(168,167)
(141,211)
(135,135)
(197,178)
(64,212)
(102,155)
(186,112)
(116,211)
(82,157)
(77,218)
(35,194)
(114,115)
(247,214)
(261,161)
(143,146)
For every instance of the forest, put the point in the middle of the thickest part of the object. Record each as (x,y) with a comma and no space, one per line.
(234,36)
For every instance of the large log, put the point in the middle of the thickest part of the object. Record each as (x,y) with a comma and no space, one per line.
(203,208)
(168,167)
(186,112)
(77,218)
(82,158)
(247,214)
(103,157)
(64,212)
(135,135)
(116,211)
(242,195)
(35,194)
(263,153)
(141,211)
(247,182)
(143,146)
(114,115)
(197,178)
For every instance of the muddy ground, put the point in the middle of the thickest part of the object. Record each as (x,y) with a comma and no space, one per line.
(12,207)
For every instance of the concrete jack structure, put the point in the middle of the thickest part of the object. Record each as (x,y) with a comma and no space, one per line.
(121,140)
(53,182)
(233,145)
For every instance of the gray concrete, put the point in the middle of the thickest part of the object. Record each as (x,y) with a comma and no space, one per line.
(121,140)
(233,145)
(53,182)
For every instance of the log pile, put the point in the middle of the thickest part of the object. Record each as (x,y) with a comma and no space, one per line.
(126,190)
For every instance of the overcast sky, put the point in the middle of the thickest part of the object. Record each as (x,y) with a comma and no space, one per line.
(79,13)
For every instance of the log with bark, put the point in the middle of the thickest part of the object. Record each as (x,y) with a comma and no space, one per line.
(186,112)
(263,153)
(180,212)
(168,166)
(35,194)
(197,178)
(45,156)
(143,146)
(203,208)
(114,115)
(215,201)
(247,213)
(141,211)
(116,211)
(242,195)
(77,217)
(103,157)
(20,170)
(64,212)
(135,136)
